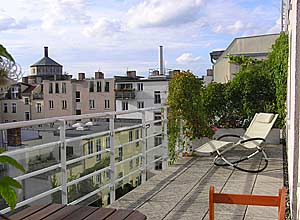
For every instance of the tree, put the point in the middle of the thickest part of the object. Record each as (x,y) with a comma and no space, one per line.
(185,100)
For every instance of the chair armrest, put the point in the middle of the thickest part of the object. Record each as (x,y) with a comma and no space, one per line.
(228,135)
(253,139)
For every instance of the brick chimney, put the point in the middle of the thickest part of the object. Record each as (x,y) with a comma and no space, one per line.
(81,76)
(14,137)
(45,51)
(99,75)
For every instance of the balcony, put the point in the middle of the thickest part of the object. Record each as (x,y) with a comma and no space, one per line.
(179,191)
(37,96)
(124,94)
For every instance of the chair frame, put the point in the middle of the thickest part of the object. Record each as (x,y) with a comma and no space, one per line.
(243,199)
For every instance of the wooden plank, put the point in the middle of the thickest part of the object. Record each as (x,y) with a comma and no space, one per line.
(64,212)
(246,199)
(120,214)
(282,194)
(136,215)
(101,214)
(45,212)
(81,213)
(28,211)
(211,203)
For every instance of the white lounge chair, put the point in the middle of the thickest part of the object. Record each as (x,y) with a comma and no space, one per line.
(253,138)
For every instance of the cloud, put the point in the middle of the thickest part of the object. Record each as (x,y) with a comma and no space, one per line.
(61,12)
(103,27)
(187,58)
(160,13)
(8,23)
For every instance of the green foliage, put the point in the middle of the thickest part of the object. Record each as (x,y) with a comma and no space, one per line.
(186,102)
(277,64)
(8,184)
(4,53)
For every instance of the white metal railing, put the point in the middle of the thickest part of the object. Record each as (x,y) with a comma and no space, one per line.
(62,144)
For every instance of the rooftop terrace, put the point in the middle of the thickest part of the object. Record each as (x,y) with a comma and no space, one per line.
(181,191)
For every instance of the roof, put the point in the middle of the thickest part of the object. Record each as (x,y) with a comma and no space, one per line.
(225,53)
(46,61)
(29,89)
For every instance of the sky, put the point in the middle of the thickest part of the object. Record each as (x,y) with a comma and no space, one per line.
(118,35)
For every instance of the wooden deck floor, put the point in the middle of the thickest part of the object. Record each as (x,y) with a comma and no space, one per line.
(181,191)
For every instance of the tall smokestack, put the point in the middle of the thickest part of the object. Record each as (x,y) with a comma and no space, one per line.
(161,61)
(46,51)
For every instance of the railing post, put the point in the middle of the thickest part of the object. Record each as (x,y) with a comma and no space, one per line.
(144,155)
(112,159)
(165,145)
(63,161)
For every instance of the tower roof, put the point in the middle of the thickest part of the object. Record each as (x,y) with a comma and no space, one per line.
(46,60)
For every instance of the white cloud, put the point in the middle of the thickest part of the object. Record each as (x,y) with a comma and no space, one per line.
(60,12)
(186,58)
(159,13)
(103,27)
(8,23)
(277,27)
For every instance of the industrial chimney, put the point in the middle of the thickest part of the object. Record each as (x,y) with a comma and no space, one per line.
(45,51)
(161,61)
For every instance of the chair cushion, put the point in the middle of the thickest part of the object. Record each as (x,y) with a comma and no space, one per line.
(264,117)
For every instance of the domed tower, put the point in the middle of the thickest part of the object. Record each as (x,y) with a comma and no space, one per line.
(46,66)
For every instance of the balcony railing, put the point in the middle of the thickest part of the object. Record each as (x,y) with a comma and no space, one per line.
(125,94)
(38,96)
(63,141)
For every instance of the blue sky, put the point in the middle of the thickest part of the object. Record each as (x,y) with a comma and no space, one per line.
(116,35)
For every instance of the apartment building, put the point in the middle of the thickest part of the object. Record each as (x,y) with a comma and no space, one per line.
(256,47)
(47,92)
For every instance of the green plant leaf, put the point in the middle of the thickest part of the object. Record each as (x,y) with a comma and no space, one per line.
(4,53)
(10,181)
(9,195)
(12,162)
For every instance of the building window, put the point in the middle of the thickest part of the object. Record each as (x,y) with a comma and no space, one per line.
(106,89)
(131,164)
(124,106)
(38,107)
(106,104)
(98,148)
(56,88)
(107,142)
(98,178)
(157,140)
(91,87)
(120,158)
(64,104)
(63,87)
(77,96)
(90,147)
(51,104)
(92,103)
(130,136)
(5,108)
(78,111)
(98,86)
(27,116)
(140,86)
(140,104)
(14,108)
(157,99)
(137,136)
(137,161)
(157,116)
(50,87)
(158,164)
(26,101)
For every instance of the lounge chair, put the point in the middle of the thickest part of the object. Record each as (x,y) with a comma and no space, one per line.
(253,138)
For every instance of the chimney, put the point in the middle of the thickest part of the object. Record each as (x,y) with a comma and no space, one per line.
(45,51)
(161,61)
(131,73)
(81,76)
(99,75)
(14,137)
